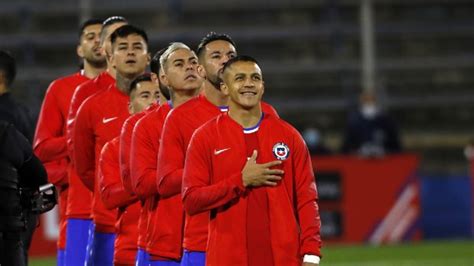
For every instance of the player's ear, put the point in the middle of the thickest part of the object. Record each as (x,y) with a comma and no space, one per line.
(148,59)
(130,107)
(112,59)
(154,77)
(161,77)
(79,51)
(164,79)
(108,54)
(224,88)
(201,71)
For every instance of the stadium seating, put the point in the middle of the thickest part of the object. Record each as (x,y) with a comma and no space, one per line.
(310,54)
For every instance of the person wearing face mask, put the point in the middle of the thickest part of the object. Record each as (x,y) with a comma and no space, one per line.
(314,140)
(370,132)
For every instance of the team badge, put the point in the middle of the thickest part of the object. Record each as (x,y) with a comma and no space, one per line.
(281,151)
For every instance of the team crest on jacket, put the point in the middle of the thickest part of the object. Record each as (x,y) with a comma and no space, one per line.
(281,151)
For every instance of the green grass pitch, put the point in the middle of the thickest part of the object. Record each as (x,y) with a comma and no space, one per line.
(439,253)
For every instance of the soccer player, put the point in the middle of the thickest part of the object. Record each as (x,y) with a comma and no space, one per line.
(253,172)
(213,51)
(144,81)
(50,138)
(181,73)
(143,92)
(99,120)
(142,258)
(79,202)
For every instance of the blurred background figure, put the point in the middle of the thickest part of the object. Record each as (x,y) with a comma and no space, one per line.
(19,169)
(469,151)
(10,109)
(17,114)
(315,141)
(370,132)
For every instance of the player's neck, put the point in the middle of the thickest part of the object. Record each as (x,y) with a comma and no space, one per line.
(245,117)
(214,95)
(123,83)
(91,71)
(179,97)
(112,72)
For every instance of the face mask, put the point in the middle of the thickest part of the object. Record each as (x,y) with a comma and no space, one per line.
(311,136)
(369,111)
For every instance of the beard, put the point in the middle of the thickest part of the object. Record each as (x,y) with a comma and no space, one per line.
(215,80)
(96,61)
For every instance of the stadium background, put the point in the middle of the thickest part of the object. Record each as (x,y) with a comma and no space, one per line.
(312,57)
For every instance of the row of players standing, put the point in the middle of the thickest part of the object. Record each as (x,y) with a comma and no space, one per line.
(119,158)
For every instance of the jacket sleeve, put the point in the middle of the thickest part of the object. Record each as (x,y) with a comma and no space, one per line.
(199,194)
(15,148)
(84,145)
(77,99)
(143,161)
(125,143)
(112,192)
(57,172)
(306,199)
(170,160)
(50,142)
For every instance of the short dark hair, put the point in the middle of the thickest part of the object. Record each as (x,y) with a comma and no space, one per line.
(155,61)
(210,37)
(141,78)
(7,66)
(87,23)
(239,58)
(127,30)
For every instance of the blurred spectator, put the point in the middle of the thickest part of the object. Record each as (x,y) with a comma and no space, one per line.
(10,110)
(469,151)
(315,142)
(19,169)
(17,114)
(370,132)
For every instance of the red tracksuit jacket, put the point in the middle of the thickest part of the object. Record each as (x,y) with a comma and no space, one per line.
(125,146)
(114,196)
(177,131)
(98,120)
(163,241)
(124,159)
(50,139)
(80,198)
(213,181)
